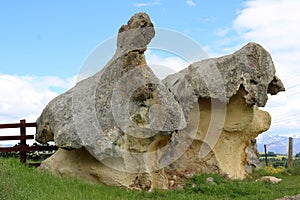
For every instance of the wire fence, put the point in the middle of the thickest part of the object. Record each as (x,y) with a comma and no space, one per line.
(288,158)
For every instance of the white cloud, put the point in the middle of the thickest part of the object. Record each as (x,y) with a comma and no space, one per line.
(24,97)
(153,3)
(163,66)
(221,32)
(274,24)
(267,20)
(190,3)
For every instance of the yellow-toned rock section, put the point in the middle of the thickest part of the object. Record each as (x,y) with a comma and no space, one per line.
(79,163)
(219,146)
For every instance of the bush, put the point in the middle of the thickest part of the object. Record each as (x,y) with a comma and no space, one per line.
(269,171)
(279,163)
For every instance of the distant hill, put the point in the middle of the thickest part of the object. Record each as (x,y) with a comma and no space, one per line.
(277,144)
(7,145)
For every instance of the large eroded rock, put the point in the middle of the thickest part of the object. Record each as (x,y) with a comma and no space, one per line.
(228,90)
(117,114)
(125,127)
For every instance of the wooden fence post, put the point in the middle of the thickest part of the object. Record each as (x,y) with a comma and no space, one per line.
(290,155)
(266,155)
(23,140)
(22,137)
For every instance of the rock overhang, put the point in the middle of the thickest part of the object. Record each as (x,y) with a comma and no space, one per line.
(250,67)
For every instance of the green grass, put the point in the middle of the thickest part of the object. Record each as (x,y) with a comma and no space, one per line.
(19,182)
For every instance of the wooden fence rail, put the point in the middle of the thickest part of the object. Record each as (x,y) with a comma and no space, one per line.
(22,148)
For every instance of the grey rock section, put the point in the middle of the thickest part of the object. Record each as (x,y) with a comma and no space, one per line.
(251,67)
(56,121)
(252,157)
(125,98)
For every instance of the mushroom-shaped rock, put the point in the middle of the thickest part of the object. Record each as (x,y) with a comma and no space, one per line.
(228,91)
(123,126)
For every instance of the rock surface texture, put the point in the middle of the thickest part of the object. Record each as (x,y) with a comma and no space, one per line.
(125,127)
(270,179)
(297,197)
(228,91)
(252,157)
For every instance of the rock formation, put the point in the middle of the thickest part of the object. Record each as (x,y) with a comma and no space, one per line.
(270,179)
(297,197)
(125,127)
(252,157)
(229,90)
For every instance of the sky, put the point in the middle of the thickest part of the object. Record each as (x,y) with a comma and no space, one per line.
(43,45)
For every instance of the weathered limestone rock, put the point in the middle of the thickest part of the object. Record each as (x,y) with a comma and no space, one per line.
(221,78)
(228,91)
(210,181)
(270,179)
(125,127)
(297,197)
(116,115)
(252,157)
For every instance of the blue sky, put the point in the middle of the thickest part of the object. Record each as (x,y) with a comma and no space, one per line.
(54,37)
(43,44)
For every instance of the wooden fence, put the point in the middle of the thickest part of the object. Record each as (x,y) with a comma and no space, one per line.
(23,148)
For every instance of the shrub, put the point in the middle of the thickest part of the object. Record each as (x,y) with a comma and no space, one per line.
(269,171)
